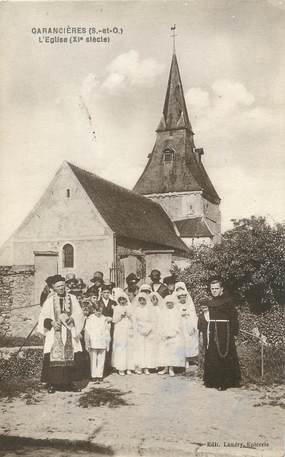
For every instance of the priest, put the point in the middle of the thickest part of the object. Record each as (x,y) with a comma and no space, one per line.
(60,322)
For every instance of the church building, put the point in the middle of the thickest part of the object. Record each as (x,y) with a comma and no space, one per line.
(175,176)
(84,223)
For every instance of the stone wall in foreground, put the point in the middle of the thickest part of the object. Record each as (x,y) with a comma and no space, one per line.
(16,294)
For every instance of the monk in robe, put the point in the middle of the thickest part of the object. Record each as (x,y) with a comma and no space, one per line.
(221,367)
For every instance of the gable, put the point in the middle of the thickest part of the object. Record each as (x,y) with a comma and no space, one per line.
(63,212)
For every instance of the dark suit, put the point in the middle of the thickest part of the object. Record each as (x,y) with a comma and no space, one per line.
(108,312)
(162,290)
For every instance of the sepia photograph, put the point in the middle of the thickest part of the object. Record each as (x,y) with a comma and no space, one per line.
(142,237)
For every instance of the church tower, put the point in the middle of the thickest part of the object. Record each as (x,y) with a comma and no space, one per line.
(175,176)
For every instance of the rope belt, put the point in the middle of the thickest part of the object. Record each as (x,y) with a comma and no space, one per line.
(219,320)
(216,339)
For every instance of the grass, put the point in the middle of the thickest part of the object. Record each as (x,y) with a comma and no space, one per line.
(29,388)
(273,399)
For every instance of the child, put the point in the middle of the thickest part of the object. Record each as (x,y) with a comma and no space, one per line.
(97,340)
(143,335)
(108,310)
(156,303)
(171,347)
(189,326)
(123,340)
(146,289)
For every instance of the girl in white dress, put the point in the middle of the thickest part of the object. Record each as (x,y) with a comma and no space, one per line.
(171,347)
(123,339)
(156,303)
(143,334)
(145,288)
(189,322)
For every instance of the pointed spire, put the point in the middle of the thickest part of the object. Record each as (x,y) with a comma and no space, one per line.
(174,111)
(185,172)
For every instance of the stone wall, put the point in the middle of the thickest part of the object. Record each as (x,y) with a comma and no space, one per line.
(16,291)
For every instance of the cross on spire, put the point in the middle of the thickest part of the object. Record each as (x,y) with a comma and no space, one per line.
(173,28)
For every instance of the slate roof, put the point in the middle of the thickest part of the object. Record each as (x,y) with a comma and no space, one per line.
(186,172)
(193,228)
(129,214)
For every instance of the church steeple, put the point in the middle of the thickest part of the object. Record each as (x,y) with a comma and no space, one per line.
(175,115)
(175,165)
(175,176)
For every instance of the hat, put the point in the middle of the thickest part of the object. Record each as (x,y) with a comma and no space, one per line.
(132,278)
(81,283)
(109,283)
(106,287)
(98,276)
(56,278)
(49,281)
(155,274)
(169,280)
(70,277)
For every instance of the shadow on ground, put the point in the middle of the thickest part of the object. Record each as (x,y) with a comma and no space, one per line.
(36,447)
(96,397)
(29,388)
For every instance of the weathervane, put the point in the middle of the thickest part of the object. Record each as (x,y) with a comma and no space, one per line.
(173,28)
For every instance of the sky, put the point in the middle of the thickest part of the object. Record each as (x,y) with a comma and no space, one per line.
(98,104)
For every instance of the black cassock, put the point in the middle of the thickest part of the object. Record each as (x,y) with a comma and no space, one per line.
(221,367)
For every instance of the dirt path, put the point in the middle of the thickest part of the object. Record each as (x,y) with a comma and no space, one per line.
(150,410)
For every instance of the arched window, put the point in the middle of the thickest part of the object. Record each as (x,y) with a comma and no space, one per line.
(68,256)
(168,155)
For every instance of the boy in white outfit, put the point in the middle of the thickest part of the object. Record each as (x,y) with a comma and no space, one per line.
(97,340)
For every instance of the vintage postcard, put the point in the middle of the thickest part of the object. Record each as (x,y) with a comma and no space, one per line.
(142,228)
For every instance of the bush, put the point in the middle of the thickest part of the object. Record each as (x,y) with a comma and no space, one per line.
(26,365)
(17,341)
(270,324)
(250,363)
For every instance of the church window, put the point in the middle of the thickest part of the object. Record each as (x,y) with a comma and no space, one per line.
(191,211)
(68,193)
(168,155)
(68,256)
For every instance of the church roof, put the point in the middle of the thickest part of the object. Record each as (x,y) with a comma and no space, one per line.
(193,228)
(186,171)
(129,214)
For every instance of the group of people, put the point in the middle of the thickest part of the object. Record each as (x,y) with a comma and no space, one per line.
(151,328)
